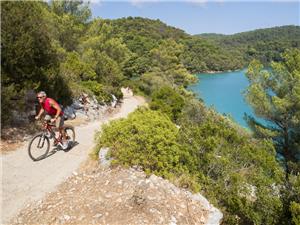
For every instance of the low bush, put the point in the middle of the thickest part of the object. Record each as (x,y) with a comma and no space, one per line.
(168,101)
(146,138)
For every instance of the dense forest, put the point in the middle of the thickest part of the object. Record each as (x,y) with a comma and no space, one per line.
(59,48)
(266,45)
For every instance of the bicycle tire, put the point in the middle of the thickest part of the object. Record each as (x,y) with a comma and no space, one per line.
(45,141)
(70,132)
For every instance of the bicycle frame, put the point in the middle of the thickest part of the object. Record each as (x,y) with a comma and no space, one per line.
(39,145)
(49,128)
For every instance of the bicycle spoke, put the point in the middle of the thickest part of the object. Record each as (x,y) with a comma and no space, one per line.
(38,147)
(41,142)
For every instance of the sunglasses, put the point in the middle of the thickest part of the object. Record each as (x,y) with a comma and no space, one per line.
(39,97)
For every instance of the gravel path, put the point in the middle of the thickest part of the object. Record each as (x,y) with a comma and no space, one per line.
(24,181)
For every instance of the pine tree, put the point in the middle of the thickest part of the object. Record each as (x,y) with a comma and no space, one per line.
(275,96)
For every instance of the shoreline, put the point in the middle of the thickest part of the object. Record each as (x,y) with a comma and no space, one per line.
(218,72)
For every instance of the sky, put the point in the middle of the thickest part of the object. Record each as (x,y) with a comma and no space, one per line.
(202,16)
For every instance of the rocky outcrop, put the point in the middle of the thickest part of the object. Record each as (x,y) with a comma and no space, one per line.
(91,111)
(119,196)
(103,195)
(213,216)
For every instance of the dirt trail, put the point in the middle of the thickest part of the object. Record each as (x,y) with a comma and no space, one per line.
(24,181)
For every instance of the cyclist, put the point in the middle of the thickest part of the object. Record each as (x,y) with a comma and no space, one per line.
(52,108)
(85,101)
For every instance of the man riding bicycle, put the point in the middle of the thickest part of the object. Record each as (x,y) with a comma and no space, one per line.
(52,108)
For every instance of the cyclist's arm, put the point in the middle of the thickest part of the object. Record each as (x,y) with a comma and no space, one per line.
(40,113)
(56,106)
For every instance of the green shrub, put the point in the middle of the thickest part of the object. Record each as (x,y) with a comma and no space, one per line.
(240,175)
(168,101)
(148,139)
(292,198)
(151,81)
(295,210)
(7,93)
(98,90)
(116,91)
(74,69)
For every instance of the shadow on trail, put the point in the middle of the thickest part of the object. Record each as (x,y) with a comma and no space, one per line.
(72,144)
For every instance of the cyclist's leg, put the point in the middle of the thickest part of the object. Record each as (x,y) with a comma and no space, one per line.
(60,125)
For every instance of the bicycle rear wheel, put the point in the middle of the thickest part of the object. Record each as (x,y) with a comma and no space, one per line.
(38,147)
(70,133)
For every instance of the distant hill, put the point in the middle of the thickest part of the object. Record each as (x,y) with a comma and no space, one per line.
(288,33)
(210,35)
(141,35)
(209,51)
(147,28)
(264,44)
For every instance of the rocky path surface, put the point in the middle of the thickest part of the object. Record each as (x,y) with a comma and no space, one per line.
(99,195)
(25,181)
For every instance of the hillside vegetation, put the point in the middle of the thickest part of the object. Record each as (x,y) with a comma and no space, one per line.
(265,45)
(60,49)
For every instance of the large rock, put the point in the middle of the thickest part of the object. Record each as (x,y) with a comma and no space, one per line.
(119,196)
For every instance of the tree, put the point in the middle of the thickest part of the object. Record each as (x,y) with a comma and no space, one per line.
(25,46)
(27,55)
(168,101)
(107,54)
(78,9)
(67,21)
(165,58)
(237,173)
(275,96)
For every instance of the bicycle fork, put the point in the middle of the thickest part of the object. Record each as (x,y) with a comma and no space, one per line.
(41,141)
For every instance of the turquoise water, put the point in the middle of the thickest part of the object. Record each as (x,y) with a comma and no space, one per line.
(224,91)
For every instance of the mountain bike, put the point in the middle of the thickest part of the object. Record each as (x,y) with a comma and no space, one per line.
(40,144)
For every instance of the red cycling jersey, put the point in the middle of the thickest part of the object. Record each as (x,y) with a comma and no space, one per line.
(48,108)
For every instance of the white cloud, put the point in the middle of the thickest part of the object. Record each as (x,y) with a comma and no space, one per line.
(137,3)
(141,3)
(200,3)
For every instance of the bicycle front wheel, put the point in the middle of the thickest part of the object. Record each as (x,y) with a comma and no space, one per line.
(38,147)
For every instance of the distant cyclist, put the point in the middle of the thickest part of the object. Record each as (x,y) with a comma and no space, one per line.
(85,101)
(52,109)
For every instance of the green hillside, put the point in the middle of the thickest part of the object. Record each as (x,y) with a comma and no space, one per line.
(263,44)
(55,46)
